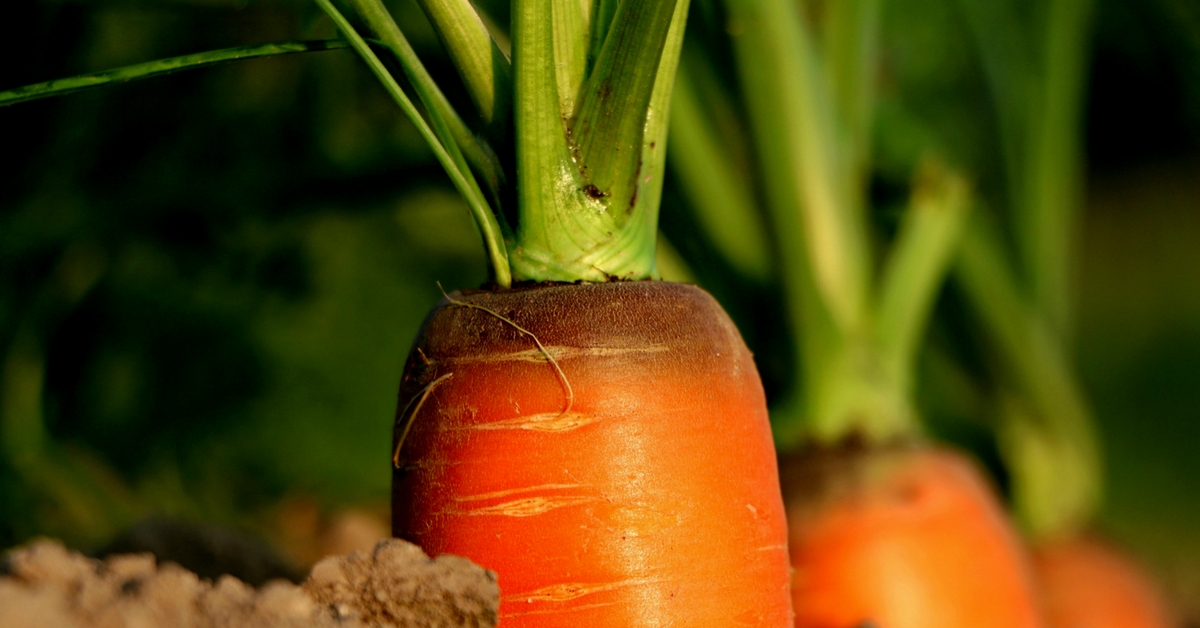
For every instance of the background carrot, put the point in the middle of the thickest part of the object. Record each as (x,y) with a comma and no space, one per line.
(901,536)
(1023,300)
(1088,583)
(883,527)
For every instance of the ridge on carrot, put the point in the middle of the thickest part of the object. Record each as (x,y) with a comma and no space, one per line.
(883,527)
(601,442)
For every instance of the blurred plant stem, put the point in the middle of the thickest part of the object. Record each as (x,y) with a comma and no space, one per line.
(1025,306)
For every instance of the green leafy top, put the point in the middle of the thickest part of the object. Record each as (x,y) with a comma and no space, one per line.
(573,130)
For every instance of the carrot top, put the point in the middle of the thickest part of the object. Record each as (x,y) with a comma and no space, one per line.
(561,159)
(576,123)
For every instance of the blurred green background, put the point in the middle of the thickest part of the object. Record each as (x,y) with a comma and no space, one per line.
(209,281)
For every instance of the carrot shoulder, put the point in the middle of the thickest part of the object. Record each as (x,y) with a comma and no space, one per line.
(630,481)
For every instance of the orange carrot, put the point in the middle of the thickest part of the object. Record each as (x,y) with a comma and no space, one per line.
(901,537)
(1087,583)
(604,448)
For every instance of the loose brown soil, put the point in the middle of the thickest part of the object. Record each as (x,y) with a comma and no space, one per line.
(45,585)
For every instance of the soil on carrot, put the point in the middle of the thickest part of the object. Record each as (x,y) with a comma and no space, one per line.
(396,584)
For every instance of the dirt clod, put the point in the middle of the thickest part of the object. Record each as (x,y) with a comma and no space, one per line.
(392,586)
(45,585)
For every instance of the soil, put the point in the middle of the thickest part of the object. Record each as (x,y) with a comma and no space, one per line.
(396,584)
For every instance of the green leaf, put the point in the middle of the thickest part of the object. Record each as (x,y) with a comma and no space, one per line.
(162,67)
(447,154)
(484,69)
(451,129)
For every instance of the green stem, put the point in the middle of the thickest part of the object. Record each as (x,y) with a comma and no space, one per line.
(447,154)
(162,67)
(610,125)
(918,264)
(452,131)
(588,211)
(852,51)
(570,52)
(778,61)
(1056,455)
(716,187)
(484,69)
(1046,217)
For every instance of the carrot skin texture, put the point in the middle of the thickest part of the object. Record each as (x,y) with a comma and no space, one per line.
(653,500)
(1087,583)
(903,537)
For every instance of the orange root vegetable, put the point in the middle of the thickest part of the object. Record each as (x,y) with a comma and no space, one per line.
(604,448)
(902,537)
(1087,583)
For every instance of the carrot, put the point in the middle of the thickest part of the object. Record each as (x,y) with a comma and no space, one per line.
(1088,583)
(603,446)
(642,494)
(901,537)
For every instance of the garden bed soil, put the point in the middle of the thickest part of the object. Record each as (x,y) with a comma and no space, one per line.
(46,585)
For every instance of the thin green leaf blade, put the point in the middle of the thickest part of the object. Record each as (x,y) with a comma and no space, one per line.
(485,218)
(163,67)
(454,134)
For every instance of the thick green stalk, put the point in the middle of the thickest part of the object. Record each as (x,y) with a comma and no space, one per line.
(851,45)
(778,60)
(570,52)
(483,67)
(573,223)
(917,266)
(609,127)
(1009,70)
(654,139)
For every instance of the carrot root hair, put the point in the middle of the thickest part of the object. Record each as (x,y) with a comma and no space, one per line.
(570,393)
(409,417)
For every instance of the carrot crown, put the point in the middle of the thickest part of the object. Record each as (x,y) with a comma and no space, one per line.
(576,125)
